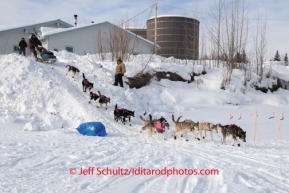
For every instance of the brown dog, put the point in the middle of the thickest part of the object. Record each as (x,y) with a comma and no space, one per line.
(205,126)
(185,126)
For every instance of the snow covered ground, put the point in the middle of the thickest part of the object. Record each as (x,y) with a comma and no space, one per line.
(50,105)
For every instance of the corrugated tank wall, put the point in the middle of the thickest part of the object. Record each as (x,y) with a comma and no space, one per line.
(177,36)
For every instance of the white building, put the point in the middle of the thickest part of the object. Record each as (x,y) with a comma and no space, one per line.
(59,35)
(10,38)
(94,38)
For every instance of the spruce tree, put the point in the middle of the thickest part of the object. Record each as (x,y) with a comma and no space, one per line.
(238,57)
(244,57)
(286,59)
(277,57)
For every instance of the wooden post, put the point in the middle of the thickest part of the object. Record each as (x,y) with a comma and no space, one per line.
(255,126)
(278,127)
(235,122)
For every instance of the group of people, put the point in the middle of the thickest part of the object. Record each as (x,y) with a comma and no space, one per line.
(33,43)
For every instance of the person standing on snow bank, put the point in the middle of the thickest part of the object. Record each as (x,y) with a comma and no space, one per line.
(32,43)
(119,72)
(22,46)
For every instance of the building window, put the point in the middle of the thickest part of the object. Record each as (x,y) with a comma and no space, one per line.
(15,48)
(135,53)
(69,48)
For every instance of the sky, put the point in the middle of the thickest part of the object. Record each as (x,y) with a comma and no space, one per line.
(21,12)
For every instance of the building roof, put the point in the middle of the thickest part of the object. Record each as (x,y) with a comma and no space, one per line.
(63,30)
(18,28)
(59,31)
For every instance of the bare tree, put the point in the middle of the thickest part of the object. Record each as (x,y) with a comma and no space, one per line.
(203,54)
(229,33)
(100,46)
(191,36)
(260,46)
(214,31)
(116,41)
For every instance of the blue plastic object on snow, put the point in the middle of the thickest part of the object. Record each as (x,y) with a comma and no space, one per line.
(92,129)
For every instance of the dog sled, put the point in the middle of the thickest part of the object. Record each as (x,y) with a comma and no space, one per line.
(45,56)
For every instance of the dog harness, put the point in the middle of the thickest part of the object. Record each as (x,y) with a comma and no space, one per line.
(147,121)
(182,124)
(94,94)
(159,127)
(202,125)
(230,126)
(127,111)
(122,109)
(85,81)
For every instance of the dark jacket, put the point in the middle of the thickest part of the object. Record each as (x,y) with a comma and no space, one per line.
(33,42)
(22,44)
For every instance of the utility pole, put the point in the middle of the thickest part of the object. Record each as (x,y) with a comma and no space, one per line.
(156,8)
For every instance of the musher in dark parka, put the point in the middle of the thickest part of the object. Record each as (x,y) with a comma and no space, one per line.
(33,43)
(22,45)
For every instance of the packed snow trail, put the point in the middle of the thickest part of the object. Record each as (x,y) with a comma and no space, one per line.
(41,162)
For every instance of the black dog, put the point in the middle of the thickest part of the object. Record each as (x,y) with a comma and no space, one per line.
(233,130)
(73,69)
(122,114)
(93,96)
(86,84)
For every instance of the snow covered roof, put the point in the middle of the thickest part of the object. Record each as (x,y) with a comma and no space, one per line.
(11,29)
(58,31)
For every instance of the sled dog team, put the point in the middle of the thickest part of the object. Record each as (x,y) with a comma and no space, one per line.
(196,128)
(97,97)
(161,124)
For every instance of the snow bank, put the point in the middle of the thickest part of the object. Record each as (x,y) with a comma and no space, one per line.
(31,126)
(274,63)
(9,117)
(53,122)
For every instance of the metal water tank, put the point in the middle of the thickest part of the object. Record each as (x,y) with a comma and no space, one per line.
(176,35)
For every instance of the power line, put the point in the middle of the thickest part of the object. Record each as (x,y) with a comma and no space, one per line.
(137,14)
(149,15)
(218,15)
